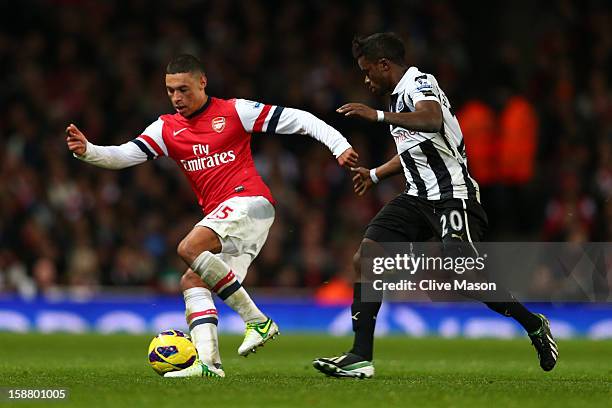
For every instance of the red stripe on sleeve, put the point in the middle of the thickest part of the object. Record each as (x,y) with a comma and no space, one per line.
(152,143)
(228,278)
(202,313)
(259,122)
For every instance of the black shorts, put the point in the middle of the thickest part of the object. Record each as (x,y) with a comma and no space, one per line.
(413,219)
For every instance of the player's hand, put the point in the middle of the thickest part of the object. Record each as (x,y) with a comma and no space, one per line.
(348,158)
(361,180)
(358,110)
(76,141)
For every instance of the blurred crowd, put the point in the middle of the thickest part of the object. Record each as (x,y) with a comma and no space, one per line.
(529,81)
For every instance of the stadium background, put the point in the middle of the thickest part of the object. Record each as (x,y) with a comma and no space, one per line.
(78,243)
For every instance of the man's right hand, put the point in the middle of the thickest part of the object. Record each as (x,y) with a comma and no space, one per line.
(359,110)
(76,141)
(362,181)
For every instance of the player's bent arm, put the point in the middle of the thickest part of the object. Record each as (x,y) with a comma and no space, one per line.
(305,123)
(113,157)
(427,117)
(259,117)
(390,168)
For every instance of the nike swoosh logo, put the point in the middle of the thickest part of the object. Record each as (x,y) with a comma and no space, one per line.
(264,330)
(355,316)
(178,131)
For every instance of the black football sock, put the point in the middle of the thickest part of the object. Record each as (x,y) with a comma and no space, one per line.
(364,322)
(518,312)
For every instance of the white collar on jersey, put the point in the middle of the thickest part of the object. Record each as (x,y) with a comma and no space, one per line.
(401,85)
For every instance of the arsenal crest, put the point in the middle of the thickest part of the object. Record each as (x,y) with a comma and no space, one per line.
(218,124)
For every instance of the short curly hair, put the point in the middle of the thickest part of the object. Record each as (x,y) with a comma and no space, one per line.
(380,45)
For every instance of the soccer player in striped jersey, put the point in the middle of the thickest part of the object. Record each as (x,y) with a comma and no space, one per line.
(441,199)
(209,139)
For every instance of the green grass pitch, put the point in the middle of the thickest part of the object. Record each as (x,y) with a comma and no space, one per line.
(113,371)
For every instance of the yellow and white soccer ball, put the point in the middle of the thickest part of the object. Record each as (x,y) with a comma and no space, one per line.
(171,350)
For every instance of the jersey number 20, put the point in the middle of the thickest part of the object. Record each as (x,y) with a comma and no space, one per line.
(455,221)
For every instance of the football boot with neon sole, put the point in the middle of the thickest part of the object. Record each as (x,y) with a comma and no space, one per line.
(197,369)
(256,335)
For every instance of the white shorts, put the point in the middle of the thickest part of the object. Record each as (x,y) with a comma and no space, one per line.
(242,224)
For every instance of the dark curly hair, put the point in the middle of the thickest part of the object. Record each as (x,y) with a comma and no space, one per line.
(380,45)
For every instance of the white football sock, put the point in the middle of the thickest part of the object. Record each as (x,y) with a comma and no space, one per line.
(217,275)
(202,320)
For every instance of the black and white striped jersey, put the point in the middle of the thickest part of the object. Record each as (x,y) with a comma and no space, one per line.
(435,164)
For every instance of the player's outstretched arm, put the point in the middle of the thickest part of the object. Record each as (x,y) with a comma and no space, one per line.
(348,158)
(109,157)
(364,178)
(258,117)
(427,116)
(305,123)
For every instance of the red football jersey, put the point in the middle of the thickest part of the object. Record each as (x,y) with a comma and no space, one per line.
(212,148)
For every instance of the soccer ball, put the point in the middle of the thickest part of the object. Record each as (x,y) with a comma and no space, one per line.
(171,350)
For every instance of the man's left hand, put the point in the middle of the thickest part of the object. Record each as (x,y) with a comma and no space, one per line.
(348,158)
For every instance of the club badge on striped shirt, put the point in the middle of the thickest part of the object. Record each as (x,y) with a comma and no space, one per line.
(400,104)
(218,124)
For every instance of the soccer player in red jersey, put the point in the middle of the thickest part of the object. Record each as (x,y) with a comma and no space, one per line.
(209,138)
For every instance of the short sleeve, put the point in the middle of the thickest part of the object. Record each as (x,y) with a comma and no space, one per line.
(151,141)
(422,89)
(258,117)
